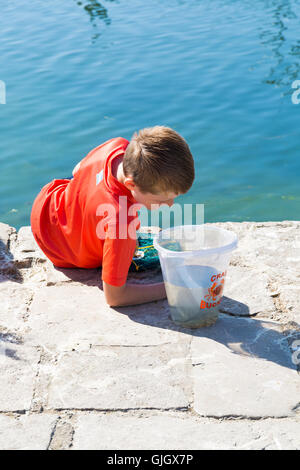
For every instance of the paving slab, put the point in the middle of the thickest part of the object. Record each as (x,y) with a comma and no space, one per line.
(100,371)
(243,367)
(85,319)
(26,432)
(177,431)
(290,298)
(7,234)
(62,437)
(122,378)
(25,249)
(268,246)
(246,293)
(264,242)
(18,366)
(14,300)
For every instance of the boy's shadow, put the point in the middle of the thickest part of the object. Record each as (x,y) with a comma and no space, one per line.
(6,340)
(240,334)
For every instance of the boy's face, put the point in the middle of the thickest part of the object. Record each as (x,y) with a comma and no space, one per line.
(149,200)
(154,201)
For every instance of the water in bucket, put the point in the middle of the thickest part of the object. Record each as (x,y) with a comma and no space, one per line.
(194,261)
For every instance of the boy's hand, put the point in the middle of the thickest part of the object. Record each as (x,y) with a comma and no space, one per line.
(133,294)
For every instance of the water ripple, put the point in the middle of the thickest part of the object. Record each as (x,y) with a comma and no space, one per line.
(80,72)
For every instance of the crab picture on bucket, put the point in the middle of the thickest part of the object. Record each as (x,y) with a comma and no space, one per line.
(213,298)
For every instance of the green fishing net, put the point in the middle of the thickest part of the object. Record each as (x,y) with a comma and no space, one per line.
(145,256)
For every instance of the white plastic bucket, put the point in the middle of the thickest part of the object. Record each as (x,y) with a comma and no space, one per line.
(194,261)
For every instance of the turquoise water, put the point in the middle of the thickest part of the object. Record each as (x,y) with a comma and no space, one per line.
(220,72)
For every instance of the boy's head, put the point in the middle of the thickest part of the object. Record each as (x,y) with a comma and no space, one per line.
(158,166)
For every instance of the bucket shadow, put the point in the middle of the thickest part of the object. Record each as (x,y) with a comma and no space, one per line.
(242,335)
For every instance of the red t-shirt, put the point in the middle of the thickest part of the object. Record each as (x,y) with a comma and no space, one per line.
(81,223)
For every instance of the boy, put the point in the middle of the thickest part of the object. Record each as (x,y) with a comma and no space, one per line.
(91,219)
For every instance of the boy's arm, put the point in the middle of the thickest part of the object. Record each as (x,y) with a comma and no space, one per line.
(133,294)
(117,257)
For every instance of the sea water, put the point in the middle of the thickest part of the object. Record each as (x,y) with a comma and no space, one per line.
(77,100)
(194,294)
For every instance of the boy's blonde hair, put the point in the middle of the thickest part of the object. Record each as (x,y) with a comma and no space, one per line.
(159,160)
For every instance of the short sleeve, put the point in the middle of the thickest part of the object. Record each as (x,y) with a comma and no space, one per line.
(117,256)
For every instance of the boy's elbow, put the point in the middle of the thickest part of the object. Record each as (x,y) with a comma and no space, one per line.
(113,294)
(112,302)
